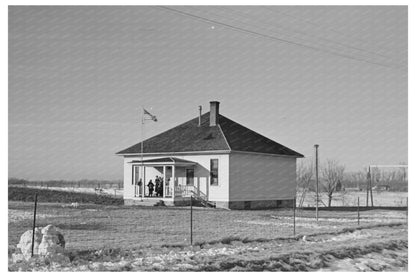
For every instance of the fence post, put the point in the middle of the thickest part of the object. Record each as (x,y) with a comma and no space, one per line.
(191,219)
(358,210)
(371,195)
(317,182)
(34,223)
(407,210)
(368,184)
(294,216)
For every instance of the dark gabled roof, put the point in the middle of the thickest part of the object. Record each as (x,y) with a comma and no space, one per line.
(240,138)
(185,137)
(227,135)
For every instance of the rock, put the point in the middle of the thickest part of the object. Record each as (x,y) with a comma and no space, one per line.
(25,243)
(17,258)
(49,245)
(53,241)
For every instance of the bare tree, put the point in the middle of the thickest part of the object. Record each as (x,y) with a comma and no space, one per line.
(359,178)
(404,171)
(304,174)
(332,172)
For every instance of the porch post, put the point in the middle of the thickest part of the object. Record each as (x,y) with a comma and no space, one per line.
(164,181)
(144,180)
(173,181)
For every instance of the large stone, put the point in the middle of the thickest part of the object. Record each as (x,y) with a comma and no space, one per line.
(25,243)
(49,244)
(52,241)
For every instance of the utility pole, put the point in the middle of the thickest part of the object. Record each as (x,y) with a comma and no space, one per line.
(317,180)
(368,184)
(294,216)
(141,193)
(371,192)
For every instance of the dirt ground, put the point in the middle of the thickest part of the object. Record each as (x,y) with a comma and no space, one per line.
(101,238)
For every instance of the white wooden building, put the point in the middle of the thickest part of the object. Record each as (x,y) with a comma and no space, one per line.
(214,159)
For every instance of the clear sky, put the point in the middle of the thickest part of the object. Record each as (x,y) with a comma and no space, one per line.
(333,76)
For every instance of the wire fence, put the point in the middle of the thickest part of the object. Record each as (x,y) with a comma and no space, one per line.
(93,227)
(349,199)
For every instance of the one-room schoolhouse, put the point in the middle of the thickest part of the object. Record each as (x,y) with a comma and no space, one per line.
(213,159)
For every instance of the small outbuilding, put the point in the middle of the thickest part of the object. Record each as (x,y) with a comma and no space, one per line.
(213,159)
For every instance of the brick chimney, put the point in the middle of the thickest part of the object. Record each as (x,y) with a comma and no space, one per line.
(214,112)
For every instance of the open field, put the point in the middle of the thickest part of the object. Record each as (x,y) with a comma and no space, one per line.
(27,194)
(102,191)
(349,198)
(157,238)
(340,199)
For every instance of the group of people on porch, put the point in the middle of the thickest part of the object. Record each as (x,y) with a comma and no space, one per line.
(156,187)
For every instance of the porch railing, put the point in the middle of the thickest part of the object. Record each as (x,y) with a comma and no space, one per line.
(187,191)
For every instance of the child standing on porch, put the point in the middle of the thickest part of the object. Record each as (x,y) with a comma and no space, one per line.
(161,186)
(139,184)
(151,186)
(157,188)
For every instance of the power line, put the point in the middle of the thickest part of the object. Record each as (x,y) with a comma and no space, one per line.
(303,33)
(354,48)
(246,31)
(329,29)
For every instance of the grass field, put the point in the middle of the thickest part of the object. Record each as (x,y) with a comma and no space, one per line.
(349,198)
(108,196)
(100,237)
(115,192)
(61,195)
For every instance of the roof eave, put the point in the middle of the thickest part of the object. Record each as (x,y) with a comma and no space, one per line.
(210,152)
(268,154)
(176,153)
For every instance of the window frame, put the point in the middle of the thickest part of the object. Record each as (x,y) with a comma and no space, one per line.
(211,172)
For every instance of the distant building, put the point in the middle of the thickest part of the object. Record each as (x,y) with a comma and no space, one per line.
(218,161)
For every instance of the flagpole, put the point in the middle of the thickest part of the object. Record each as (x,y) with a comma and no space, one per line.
(141,154)
(141,145)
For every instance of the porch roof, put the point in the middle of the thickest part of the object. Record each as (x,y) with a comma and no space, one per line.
(165,161)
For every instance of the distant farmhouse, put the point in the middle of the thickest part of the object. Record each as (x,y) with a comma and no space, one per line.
(216,160)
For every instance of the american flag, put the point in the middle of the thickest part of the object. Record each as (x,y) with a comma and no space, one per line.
(152,117)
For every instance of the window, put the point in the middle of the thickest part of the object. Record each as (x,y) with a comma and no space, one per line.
(214,172)
(190,177)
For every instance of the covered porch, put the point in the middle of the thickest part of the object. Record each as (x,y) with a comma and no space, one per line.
(169,179)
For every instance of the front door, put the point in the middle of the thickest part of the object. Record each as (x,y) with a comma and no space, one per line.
(202,185)
(190,187)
